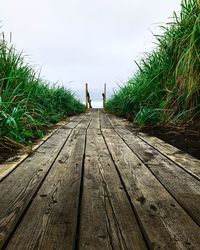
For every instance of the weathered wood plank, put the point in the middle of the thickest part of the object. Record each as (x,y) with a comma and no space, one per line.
(7,167)
(184,160)
(165,223)
(104,122)
(183,186)
(95,122)
(85,122)
(74,121)
(107,220)
(51,220)
(18,188)
(137,188)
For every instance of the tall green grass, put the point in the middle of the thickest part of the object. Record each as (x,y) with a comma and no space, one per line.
(29,104)
(166,87)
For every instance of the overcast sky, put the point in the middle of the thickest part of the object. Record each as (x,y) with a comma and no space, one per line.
(78,41)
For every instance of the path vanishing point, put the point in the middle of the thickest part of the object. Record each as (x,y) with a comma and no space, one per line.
(95,184)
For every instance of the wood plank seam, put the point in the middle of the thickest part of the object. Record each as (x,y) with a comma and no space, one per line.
(168,190)
(107,197)
(28,205)
(123,184)
(4,243)
(162,222)
(106,131)
(53,203)
(101,187)
(99,196)
(167,156)
(76,237)
(145,236)
(164,154)
(12,165)
(171,176)
(194,163)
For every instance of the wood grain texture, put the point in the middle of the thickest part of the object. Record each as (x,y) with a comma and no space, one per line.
(51,220)
(95,122)
(186,161)
(96,184)
(18,188)
(9,165)
(107,220)
(104,122)
(183,186)
(165,223)
(84,123)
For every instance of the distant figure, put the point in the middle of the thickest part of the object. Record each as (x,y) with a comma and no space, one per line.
(89,100)
(104,100)
(103,97)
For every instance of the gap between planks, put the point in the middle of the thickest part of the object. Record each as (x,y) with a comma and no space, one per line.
(161,217)
(27,179)
(10,164)
(179,183)
(114,186)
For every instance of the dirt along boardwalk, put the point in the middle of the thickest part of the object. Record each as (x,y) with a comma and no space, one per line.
(97,184)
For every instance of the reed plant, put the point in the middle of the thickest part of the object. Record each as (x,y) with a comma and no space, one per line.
(28,104)
(166,87)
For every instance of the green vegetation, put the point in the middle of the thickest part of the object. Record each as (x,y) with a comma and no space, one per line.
(27,103)
(166,88)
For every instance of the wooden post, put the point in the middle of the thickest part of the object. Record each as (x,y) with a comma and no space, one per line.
(86,96)
(10,37)
(104,96)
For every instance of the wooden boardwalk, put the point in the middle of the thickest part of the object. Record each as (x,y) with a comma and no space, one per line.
(97,184)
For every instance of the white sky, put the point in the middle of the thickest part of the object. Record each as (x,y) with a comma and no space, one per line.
(78,41)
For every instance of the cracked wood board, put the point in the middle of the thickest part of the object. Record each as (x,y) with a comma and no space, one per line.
(184,160)
(51,220)
(18,188)
(165,223)
(105,205)
(9,165)
(184,187)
